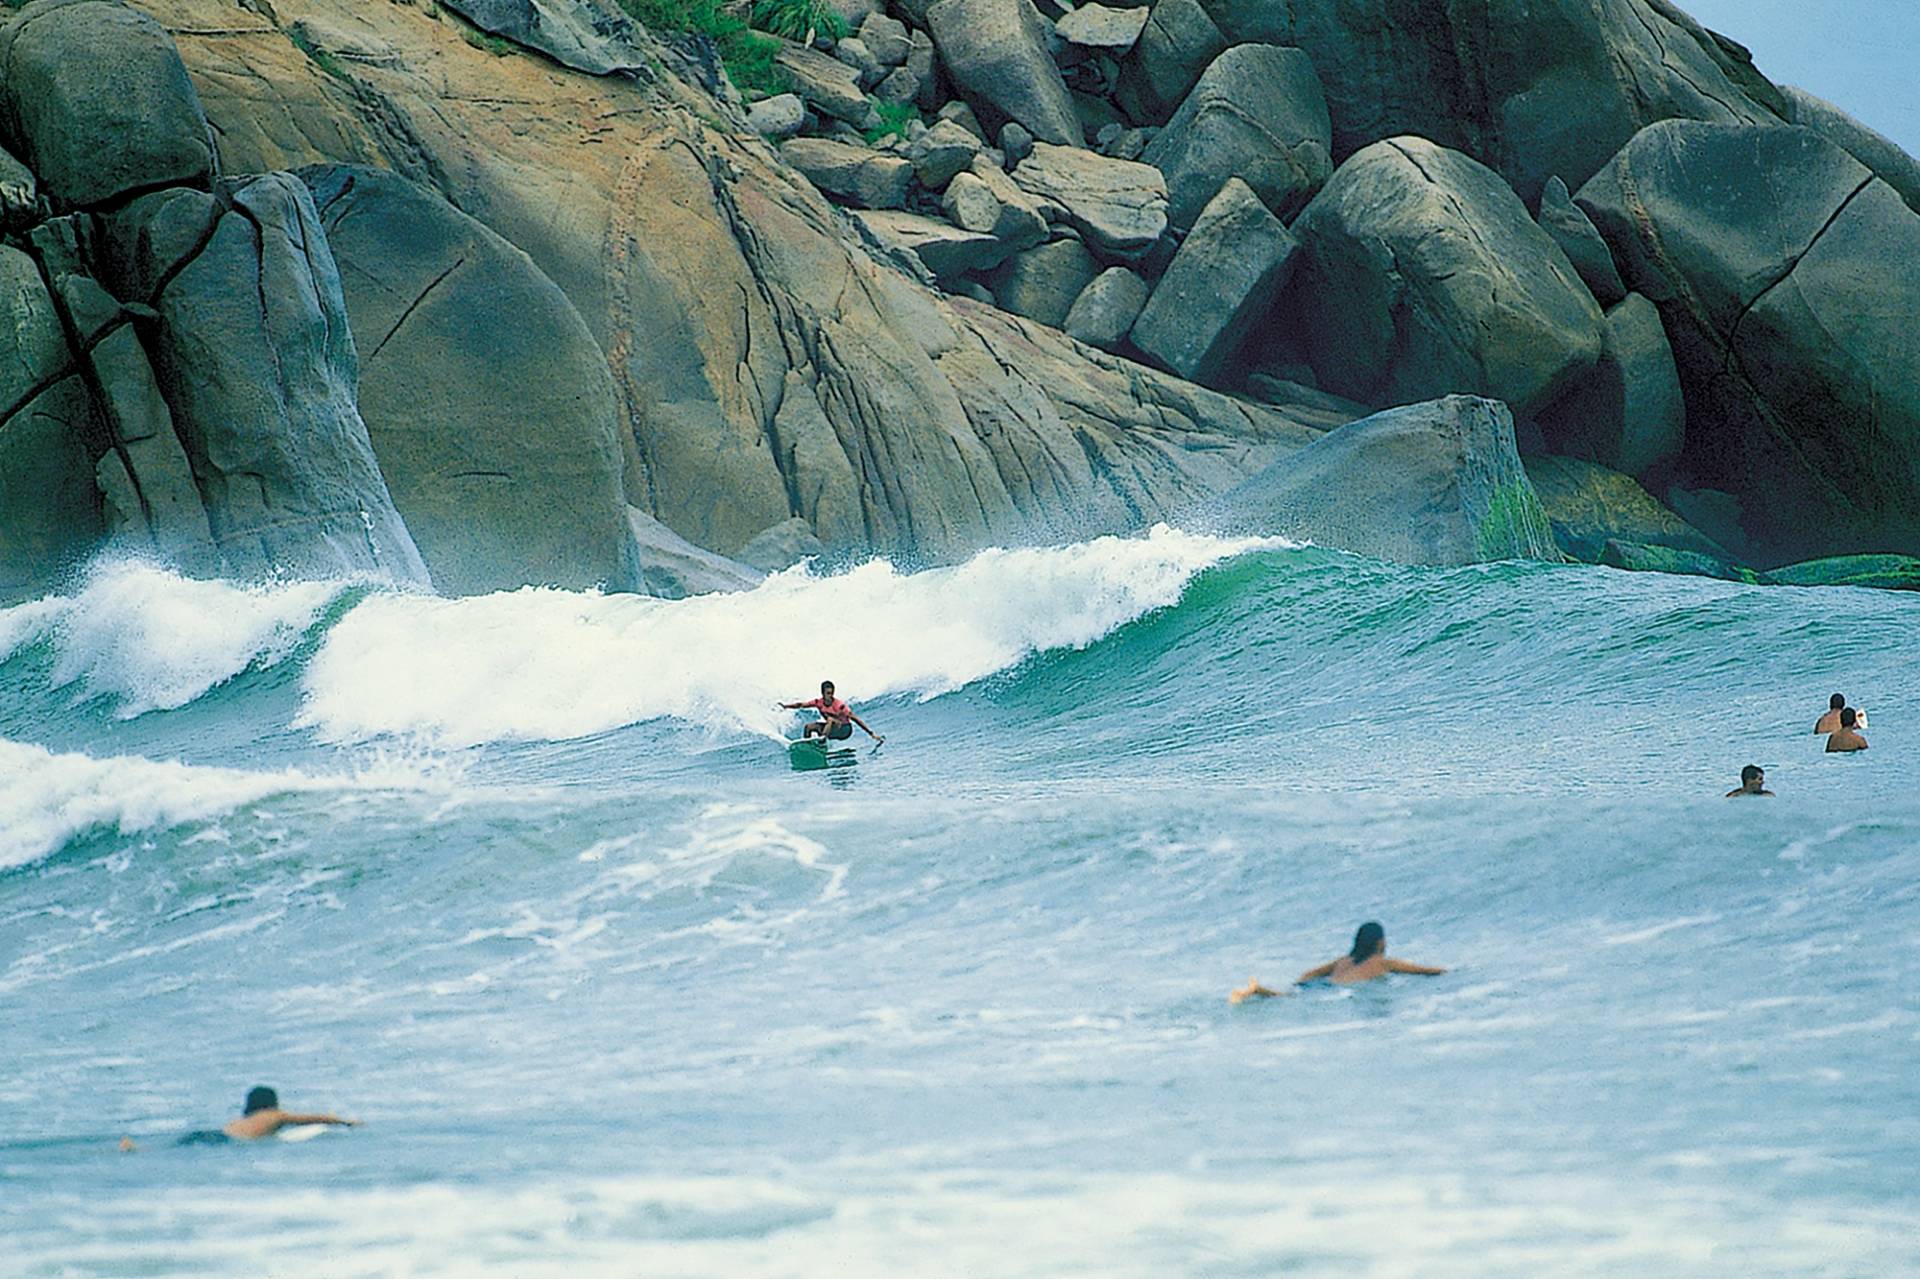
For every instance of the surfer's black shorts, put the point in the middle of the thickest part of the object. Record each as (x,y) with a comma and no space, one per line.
(204,1137)
(839,732)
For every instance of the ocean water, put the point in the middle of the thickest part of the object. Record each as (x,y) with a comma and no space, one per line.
(528,884)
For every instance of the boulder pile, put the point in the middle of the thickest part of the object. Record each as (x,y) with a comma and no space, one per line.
(1253,193)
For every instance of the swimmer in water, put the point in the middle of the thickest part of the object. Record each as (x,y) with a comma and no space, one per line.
(1830,722)
(1365,962)
(1753,781)
(1847,737)
(260,1117)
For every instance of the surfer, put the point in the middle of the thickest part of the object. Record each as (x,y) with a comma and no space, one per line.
(1753,781)
(1830,722)
(836,717)
(1365,962)
(260,1117)
(1847,737)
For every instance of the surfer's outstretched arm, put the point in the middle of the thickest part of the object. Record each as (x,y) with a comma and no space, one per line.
(1404,966)
(1253,990)
(1315,974)
(863,726)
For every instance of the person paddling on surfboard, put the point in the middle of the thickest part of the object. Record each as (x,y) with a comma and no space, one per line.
(260,1117)
(1365,962)
(836,717)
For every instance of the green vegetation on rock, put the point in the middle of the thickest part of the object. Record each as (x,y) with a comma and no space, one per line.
(894,119)
(1639,558)
(324,60)
(1515,525)
(1884,572)
(799,20)
(747,54)
(495,45)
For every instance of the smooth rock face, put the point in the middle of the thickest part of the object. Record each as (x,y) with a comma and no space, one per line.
(996,53)
(1095,26)
(857,175)
(886,38)
(781,546)
(1226,276)
(1042,282)
(256,360)
(1889,163)
(1435,483)
(1424,275)
(1257,114)
(1628,412)
(677,569)
(47,493)
(1571,229)
(1788,277)
(97,103)
(595,36)
(1588,505)
(1120,206)
(487,401)
(1177,44)
(1531,88)
(1104,312)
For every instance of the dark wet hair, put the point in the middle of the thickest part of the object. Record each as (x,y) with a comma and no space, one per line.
(261,1098)
(1751,772)
(1366,941)
(1837,701)
(826,686)
(1849,717)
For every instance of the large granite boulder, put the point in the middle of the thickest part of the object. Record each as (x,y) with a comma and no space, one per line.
(1179,41)
(95,100)
(19,194)
(1889,162)
(595,36)
(1042,282)
(1423,275)
(1103,28)
(1589,505)
(1571,229)
(486,398)
(257,363)
(1257,114)
(996,53)
(1120,206)
(857,175)
(1106,309)
(826,84)
(677,569)
(50,511)
(1226,275)
(1531,88)
(1627,412)
(1788,277)
(1434,483)
(945,250)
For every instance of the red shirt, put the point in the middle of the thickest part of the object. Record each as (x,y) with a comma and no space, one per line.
(836,710)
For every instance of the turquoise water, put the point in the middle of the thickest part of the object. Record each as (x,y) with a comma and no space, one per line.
(527,884)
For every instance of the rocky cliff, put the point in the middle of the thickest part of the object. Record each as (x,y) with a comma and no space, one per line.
(487,292)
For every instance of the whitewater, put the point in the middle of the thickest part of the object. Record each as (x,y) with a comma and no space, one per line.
(527,884)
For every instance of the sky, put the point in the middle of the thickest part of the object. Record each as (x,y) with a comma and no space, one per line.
(1861,55)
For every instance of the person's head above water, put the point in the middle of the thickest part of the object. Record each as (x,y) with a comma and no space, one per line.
(826,688)
(1752,773)
(1369,941)
(1837,701)
(261,1098)
(1849,717)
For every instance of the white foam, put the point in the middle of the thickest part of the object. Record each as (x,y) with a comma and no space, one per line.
(149,639)
(48,799)
(548,664)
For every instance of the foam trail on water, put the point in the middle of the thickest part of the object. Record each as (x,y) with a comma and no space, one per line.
(547,664)
(48,799)
(148,639)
